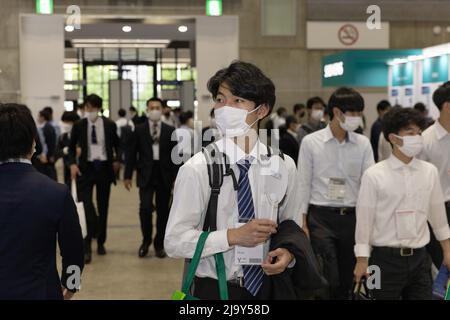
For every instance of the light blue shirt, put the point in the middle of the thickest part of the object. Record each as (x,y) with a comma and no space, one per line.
(322,157)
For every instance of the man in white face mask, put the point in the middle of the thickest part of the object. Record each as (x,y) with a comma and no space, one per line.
(316,110)
(331,163)
(397,198)
(150,153)
(96,165)
(242,232)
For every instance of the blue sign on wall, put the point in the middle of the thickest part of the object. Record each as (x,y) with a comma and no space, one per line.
(435,69)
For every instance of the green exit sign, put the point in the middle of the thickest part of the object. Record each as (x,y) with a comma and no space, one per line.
(44,6)
(213,7)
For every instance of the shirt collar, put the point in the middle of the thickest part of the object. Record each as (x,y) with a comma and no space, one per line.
(441,132)
(236,154)
(20,160)
(98,121)
(349,137)
(395,163)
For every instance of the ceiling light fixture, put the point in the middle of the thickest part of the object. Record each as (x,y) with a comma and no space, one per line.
(183,28)
(126,29)
(69,28)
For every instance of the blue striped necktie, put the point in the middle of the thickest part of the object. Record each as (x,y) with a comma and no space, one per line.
(253,274)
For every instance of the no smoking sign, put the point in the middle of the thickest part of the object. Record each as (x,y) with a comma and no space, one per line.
(348,34)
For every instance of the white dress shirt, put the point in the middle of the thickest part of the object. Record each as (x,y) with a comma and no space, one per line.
(122,122)
(390,186)
(155,145)
(322,158)
(190,202)
(98,151)
(437,151)
(185,137)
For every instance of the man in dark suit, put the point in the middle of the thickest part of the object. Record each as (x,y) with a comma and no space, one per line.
(48,134)
(97,166)
(35,212)
(150,153)
(288,142)
(62,148)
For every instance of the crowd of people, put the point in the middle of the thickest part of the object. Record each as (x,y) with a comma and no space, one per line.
(343,202)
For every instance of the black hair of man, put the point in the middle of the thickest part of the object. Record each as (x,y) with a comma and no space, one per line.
(383,105)
(281,111)
(132,109)
(442,95)
(345,99)
(399,118)
(95,101)
(17,131)
(421,107)
(49,109)
(290,120)
(211,113)
(155,99)
(297,107)
(45,114)
(185,116)
(122,113)
(70,116)
(244,80)
(312,101)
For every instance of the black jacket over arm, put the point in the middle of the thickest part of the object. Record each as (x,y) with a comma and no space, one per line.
(35,211)
(79,137)
(140,155)
(289,145)
(304,278)
(50,140)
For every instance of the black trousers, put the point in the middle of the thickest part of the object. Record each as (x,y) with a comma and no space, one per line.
(100,177)
(407,278)
(155,186)
(208,289)
(434,247)
(333,239)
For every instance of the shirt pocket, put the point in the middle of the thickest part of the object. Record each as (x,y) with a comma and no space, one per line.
(421,200)
(353,168)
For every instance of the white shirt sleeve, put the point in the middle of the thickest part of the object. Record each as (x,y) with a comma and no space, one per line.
(305,169)
(186,219)
(365,216)
(438,216)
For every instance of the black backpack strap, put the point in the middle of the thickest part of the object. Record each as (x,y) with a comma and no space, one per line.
(230,172)
(307,128)
(215,174)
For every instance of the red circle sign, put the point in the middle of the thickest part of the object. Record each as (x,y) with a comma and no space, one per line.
(348,34)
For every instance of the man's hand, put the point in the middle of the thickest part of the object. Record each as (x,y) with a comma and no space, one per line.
(43,158)
(116,166)
(446,253)
(78,152)
(67,294)
(361,269)
(74,171)
(127,184)
(252,233)
(282,258)
(305,226)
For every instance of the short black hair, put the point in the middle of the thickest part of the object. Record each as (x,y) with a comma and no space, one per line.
(442,95)
(49,110)
(155,99)
(17,131)
(94,100)
(421,107)
(69,116)
(132,109)
(211,113)
(281,110)
(245,80)
(45,114)
(290,120)
(383,105)
(398,118)
(345,99)
(122,113)
(298,106)
(185,116)
(312,101)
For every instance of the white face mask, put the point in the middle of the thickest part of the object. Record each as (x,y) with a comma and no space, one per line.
(412,145)
(231,122)
(65,127)
(154,115)
(351,123)
(317,115)
(92,116)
